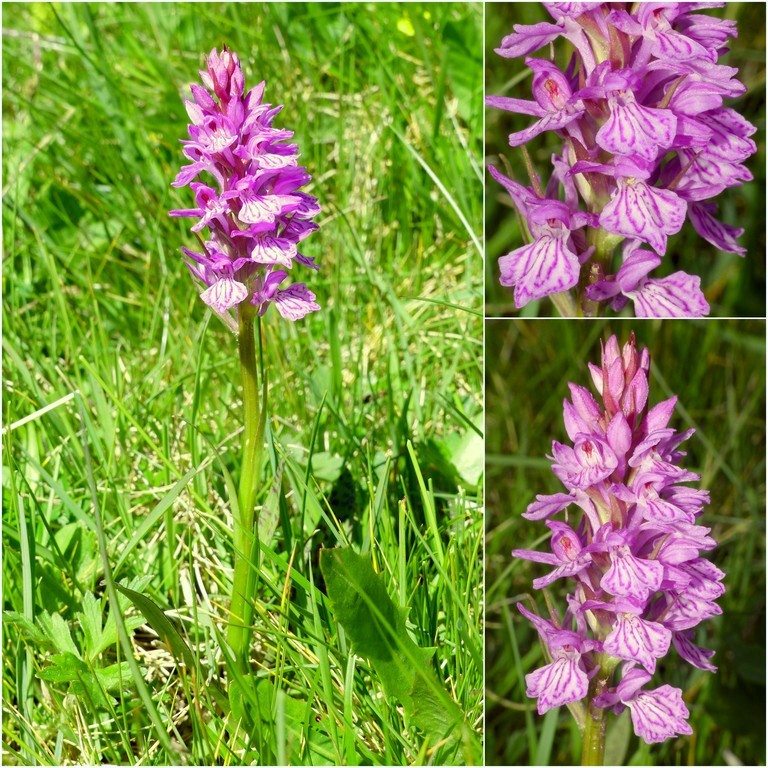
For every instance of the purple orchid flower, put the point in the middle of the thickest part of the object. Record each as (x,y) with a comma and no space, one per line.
(647,143)
(657,715)
(634,558)
(257,216)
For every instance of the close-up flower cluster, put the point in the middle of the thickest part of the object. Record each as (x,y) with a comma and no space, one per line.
(258,216)
(648,142)
(632,551)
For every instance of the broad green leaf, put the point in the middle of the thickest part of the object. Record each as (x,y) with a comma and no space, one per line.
(377,630)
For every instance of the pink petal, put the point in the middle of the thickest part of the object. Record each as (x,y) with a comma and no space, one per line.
(649,213)
(659,715)
(273,250)
(224,294)
(558,683)
(630,576)
(722,236)
(545,266)
(636,130)
(295,302)
(677,295)
(635,639)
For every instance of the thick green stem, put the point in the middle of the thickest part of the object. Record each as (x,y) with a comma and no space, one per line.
(245,537)
(605,244)
(593,747)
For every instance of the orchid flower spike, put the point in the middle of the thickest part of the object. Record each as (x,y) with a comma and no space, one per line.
(632,552)
(647,143)
(255,213)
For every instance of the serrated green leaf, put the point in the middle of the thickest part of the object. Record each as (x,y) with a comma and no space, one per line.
(115,677)
(64,668)
(57,632)
(376,627)
(90,622)
(85,682)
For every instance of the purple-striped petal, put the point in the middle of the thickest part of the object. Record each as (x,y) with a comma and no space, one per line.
(546,506)
(267,249)
(224,294)
(677,295)
(558,683)
(635,639)
(528,38)
(660,714)
(295,302)
(633,129)
(699,657)
(722,236)
(645,212)
(630,576)
(543,267)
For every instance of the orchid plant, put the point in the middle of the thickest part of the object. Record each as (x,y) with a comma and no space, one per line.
(647,143)
(632,553)
(256,216)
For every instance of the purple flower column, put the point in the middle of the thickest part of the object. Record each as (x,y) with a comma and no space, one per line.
(631,548)
(646,141)
(256,217)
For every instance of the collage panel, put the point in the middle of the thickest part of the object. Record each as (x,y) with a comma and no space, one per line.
(625,544)
(627,160)
(243,384)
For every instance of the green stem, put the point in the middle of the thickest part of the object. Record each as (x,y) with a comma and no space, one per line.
(605,244)
(245,539)
(565,304)
(593,747)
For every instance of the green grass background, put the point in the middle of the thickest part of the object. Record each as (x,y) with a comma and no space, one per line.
(102,321)
(734,287)
(717,368)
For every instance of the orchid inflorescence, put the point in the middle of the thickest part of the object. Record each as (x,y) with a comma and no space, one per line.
(257,217)
(639,583)
(646,142)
